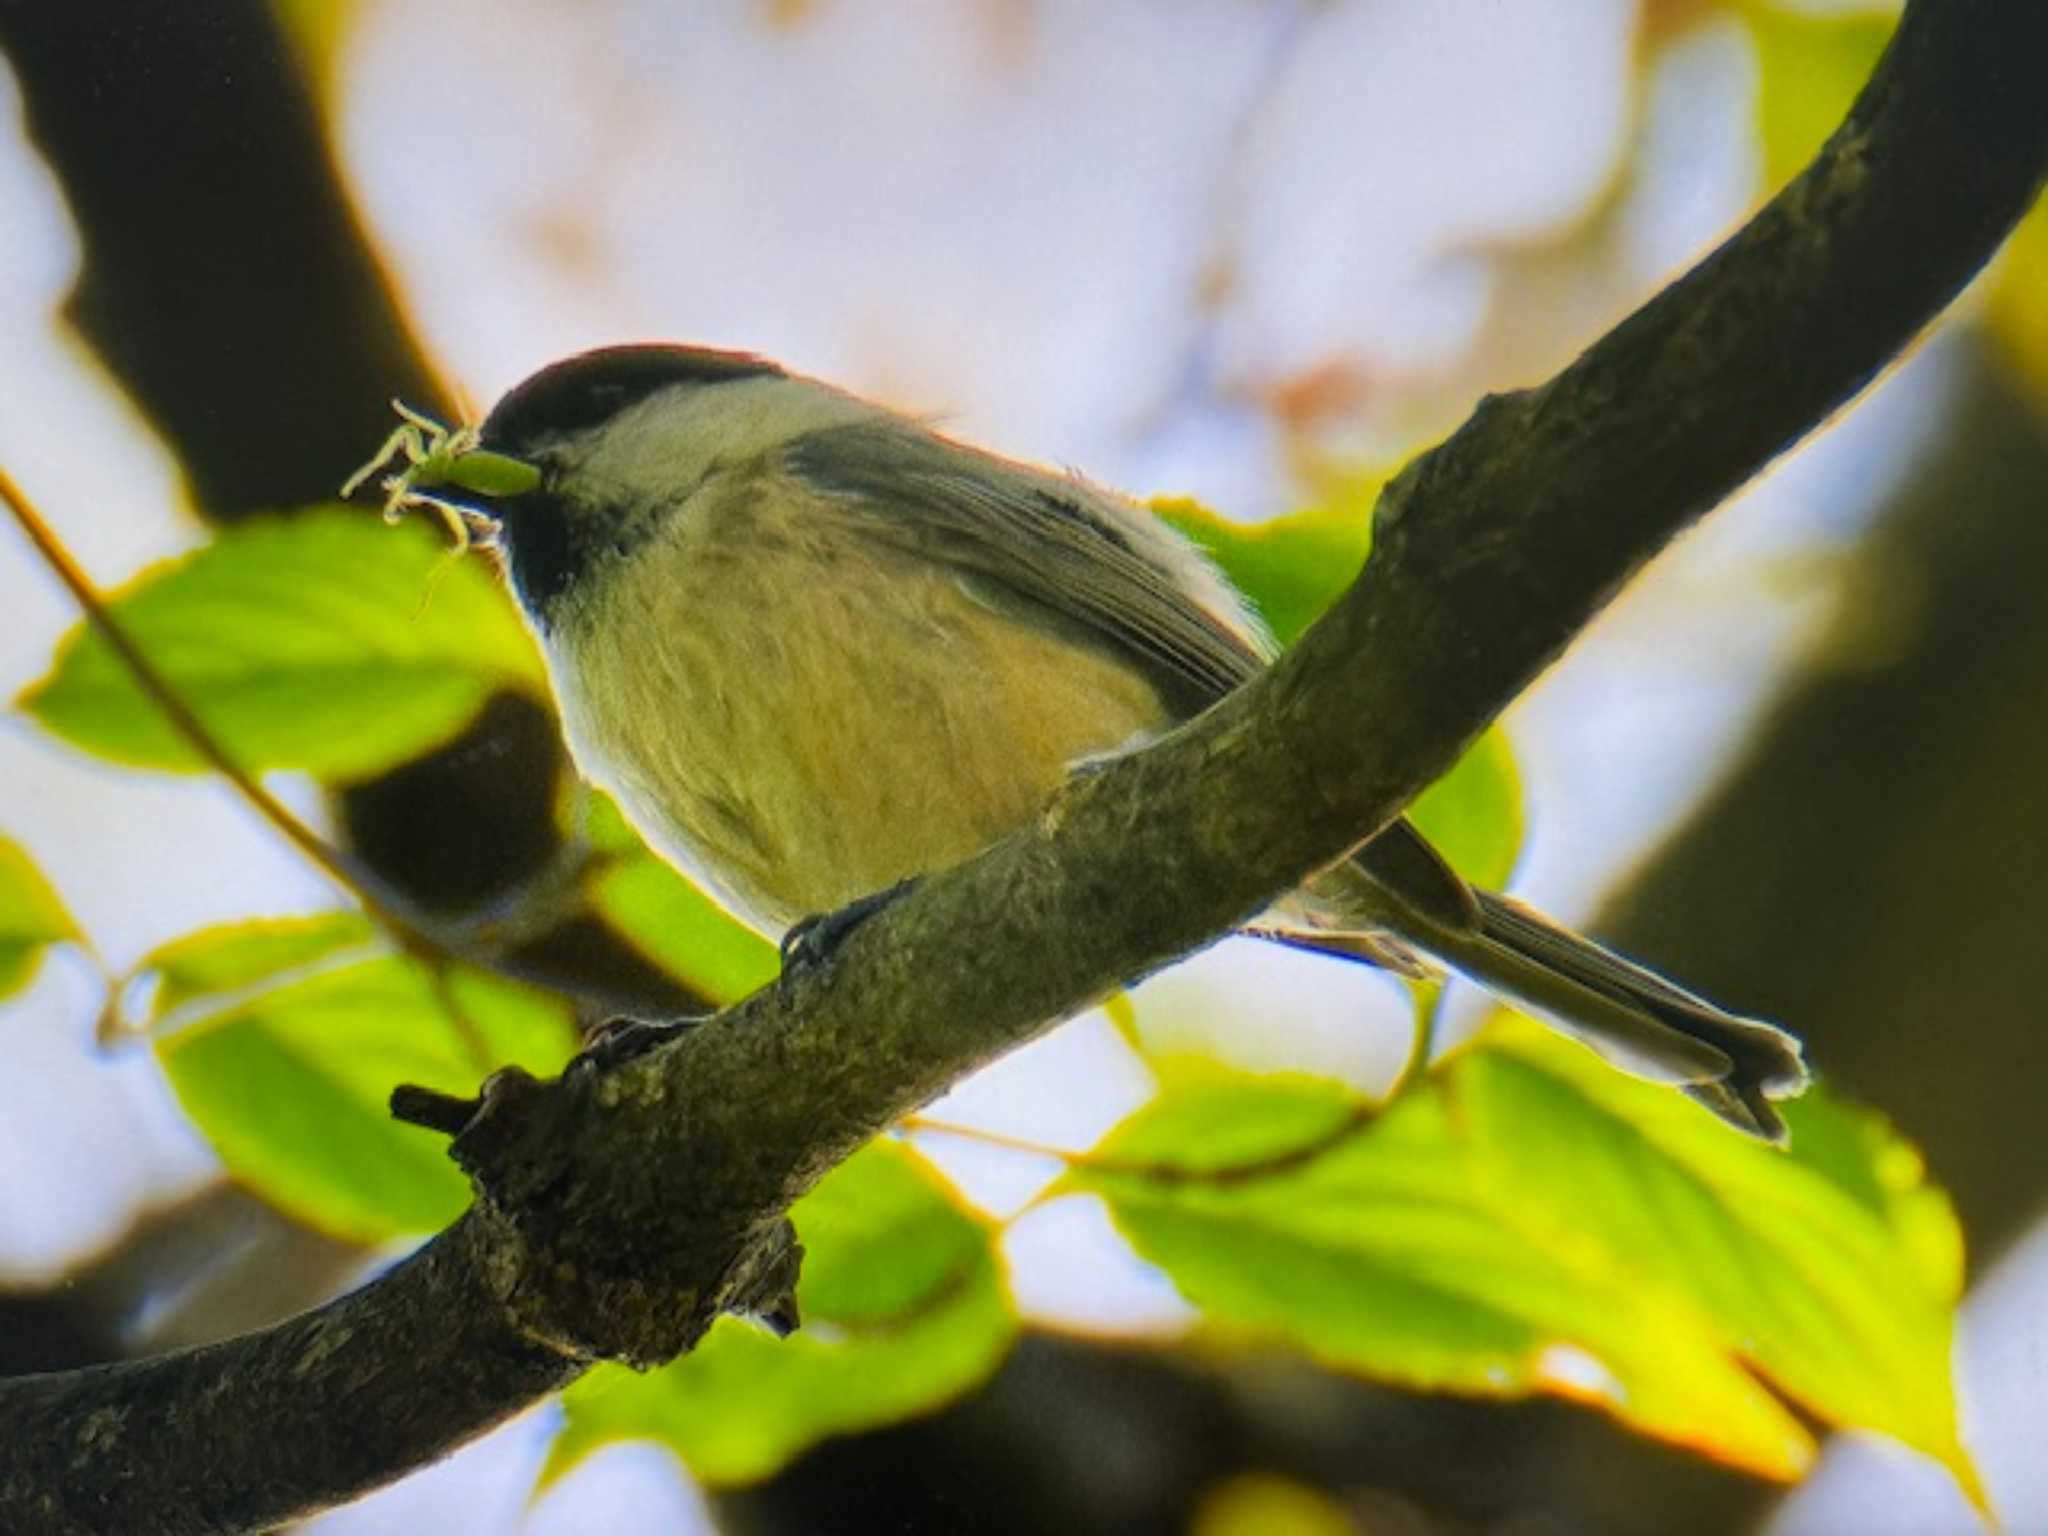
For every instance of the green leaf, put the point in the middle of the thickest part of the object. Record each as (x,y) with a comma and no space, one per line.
(1531,1221)
(1374,1251)
(1833,1268)
(1258,1504)
(201,966)
(1473,814)
(290,1085)
(1293,568)
(1210,1120)
(681,929)
(595,820)
(1809,69)
(905,1308)
(322,641)
(658,911)
(31,918)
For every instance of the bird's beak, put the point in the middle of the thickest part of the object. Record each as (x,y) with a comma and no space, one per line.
(431,458)
(488,479)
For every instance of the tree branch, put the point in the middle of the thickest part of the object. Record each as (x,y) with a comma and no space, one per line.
(619,1210)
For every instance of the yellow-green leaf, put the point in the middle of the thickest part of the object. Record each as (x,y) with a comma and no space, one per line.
(31,918)
(1833,1268)
(1473,814)
(904,1308)
(290,1085)
(681,929)
(1531,1221)
(229,957)
(323,641)
(1293,568)
(1809,69)
(1375,1251)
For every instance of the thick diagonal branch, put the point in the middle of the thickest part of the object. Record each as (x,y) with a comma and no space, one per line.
(619,1211)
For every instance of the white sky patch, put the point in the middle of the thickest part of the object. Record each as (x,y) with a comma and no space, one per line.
(485,1489)
(1578,1374)
(1700,158)
(1070,1267)
(1267,1008)
(1401,133)
(1065,1089)
(633,1486)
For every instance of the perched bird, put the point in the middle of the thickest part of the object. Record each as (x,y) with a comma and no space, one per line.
(815,649)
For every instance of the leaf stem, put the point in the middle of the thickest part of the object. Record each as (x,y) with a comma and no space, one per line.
(162,693)
(934,1127)
(1428,1005)
(1286,1160)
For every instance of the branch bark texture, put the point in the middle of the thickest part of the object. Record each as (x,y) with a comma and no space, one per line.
(620,1210)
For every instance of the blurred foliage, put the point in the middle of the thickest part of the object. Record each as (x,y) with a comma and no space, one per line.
(1292,567)
(1474,813)
(904,1307)
(1810,66)
(31,918)
(664,916)
(1270,1506)
(1809,69)
(1531,1221)
(317,30)
(322,641)
(682,930)
(1524,1220)
(202,967)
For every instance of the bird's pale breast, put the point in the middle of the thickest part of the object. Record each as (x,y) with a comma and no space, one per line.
(800,715)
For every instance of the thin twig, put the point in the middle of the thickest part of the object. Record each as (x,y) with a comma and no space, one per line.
(164,695)
(1273,1164)
(1427,1002)
(929,1126)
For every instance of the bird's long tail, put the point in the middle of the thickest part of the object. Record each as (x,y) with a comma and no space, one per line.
(1631,1016)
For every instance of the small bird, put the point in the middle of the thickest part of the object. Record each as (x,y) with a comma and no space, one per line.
(815,649)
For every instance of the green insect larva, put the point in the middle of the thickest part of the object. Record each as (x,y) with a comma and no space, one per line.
(436,454)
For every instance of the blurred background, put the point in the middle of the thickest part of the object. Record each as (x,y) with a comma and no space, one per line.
(1252,251)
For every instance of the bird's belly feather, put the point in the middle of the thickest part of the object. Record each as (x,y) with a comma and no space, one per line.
(800,716)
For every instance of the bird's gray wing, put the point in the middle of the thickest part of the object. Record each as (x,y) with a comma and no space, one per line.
(1065,553)
(1033,541)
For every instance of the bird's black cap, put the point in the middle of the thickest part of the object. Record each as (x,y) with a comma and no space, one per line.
(592,387)
(547,544)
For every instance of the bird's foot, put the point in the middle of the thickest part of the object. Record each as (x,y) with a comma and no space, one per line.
(618,1041)
(811,943)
